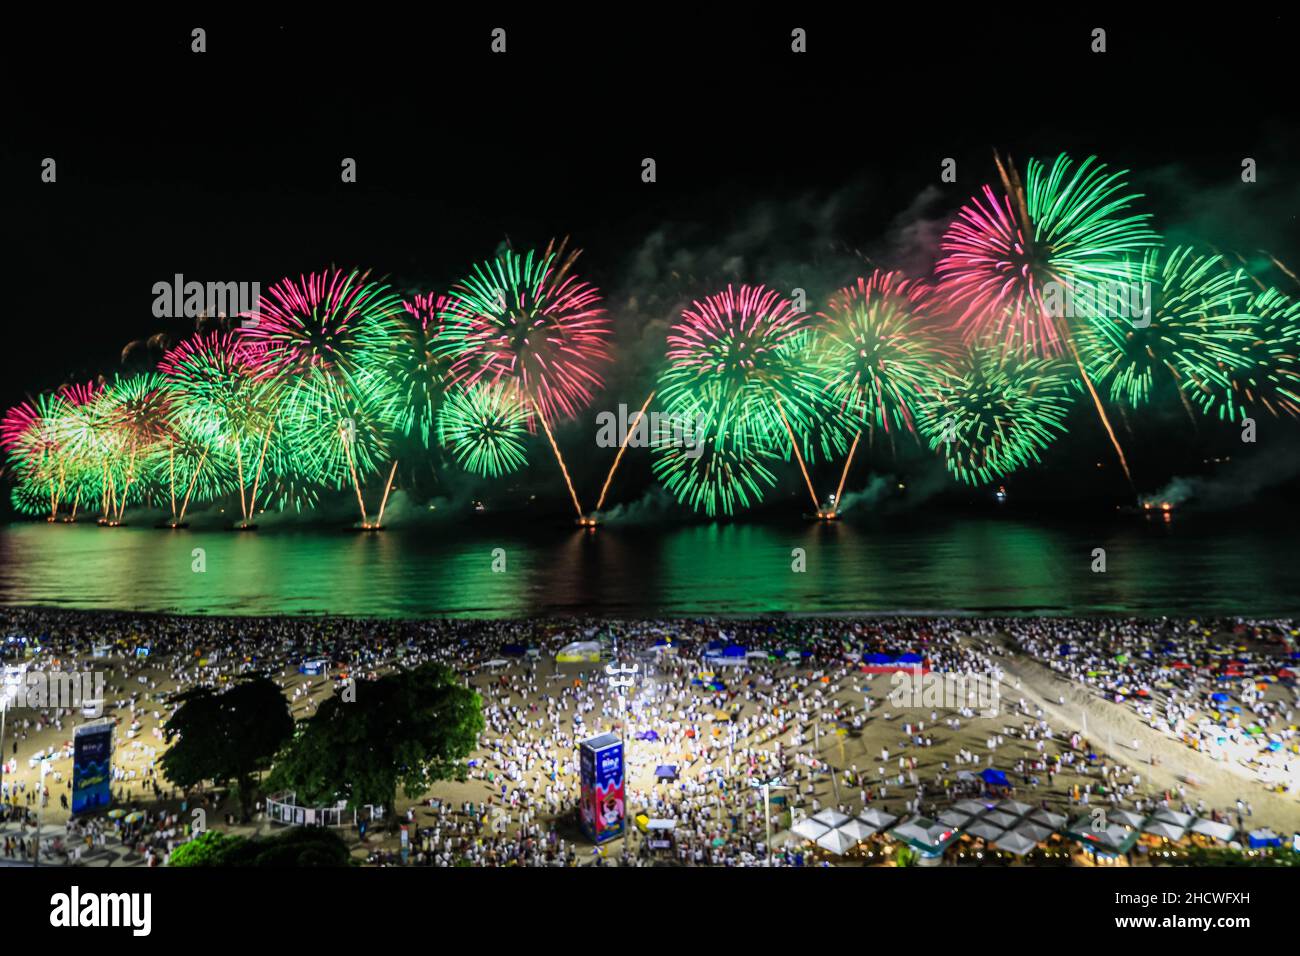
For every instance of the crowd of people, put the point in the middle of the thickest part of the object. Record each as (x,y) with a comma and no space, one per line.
(722,704)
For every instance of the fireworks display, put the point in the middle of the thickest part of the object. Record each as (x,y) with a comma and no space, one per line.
(1007,255)
(1185,323)
(411,349)
(1043,290)
(995,413)
(703,470)
(737,358)
(878,350)
(1265,368)
(484,427)
(529,320)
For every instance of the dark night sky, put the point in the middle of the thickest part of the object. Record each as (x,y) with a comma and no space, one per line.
(226,165)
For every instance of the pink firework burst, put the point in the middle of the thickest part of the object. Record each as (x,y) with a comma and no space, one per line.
(990,273)
(318,321)
(527,319)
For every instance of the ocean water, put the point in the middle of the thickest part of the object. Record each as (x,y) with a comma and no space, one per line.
(993,564)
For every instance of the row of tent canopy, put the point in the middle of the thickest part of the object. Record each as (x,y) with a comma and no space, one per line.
(715,651)
(1012,826)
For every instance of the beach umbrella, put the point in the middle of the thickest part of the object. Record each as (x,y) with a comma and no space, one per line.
(116,814)
(135,817)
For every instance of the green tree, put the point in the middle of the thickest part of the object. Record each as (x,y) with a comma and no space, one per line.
(227,736)
(408,729)
(299,846)
(209,848)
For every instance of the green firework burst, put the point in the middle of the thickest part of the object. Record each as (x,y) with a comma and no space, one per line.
(995,413)
(485,427)
(1180,316)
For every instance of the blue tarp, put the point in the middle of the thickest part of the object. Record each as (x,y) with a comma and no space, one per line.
(1219,698)
(666,772)
(996,778)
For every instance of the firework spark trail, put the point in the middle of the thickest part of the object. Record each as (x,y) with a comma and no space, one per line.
(622,448)
(839,491)
(794,443)
(485,427)
(379,520)
(528,320)
(347,447)
(541,417)
(1101,413)
(995,412)
(193,478)
(877,350)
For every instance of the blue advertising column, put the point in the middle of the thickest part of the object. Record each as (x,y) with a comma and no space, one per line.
(92,757)
(601,808)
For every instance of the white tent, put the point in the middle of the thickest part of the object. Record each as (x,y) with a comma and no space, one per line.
(837,841)
(953,818)
(924,831)
(1125,817)
(984,830)
(1166,815)
(1014,807)
(876,818)
(809,829)
(1000,819)
(1219,831)
(856,830)
(1033,831)
(1016,843)
(1047,818)
(969,807)
(1170,831)
(831,817)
